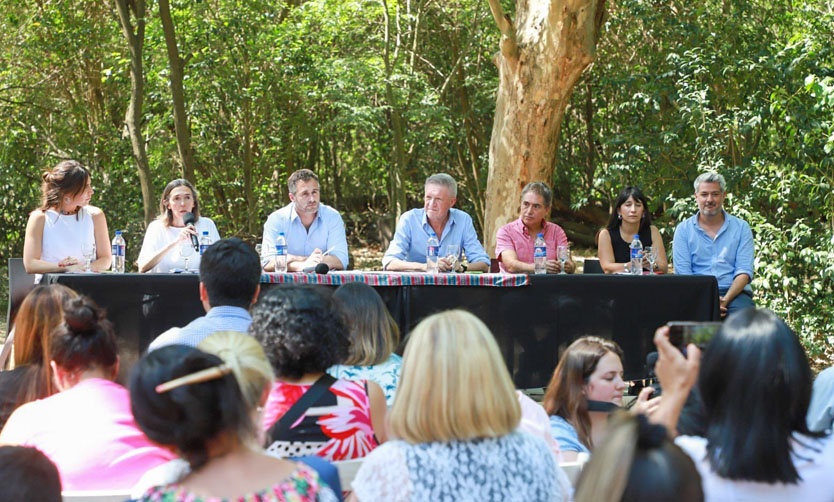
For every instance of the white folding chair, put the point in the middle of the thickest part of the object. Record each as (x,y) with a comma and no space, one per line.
(347,471)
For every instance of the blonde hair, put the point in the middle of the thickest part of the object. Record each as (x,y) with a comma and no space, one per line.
(454,383)
(246,357)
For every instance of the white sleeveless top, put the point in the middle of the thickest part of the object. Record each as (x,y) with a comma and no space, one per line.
(63,235)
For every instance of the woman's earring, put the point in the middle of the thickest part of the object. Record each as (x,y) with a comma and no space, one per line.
(619,216)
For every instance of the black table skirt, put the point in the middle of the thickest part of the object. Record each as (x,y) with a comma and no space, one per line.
(531,323)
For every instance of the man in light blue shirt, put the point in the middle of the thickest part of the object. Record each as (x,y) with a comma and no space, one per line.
(407,251)
(315,232)
(712,242)
(230,277)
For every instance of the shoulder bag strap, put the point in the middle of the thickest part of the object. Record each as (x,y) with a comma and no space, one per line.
(282,426)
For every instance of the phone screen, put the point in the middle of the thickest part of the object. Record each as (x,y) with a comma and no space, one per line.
(682,333)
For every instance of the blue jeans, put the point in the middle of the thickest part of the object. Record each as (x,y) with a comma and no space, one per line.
(744,300)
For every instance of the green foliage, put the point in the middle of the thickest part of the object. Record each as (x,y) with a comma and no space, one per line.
(742,87)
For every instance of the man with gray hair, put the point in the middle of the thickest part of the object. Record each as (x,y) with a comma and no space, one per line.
(314,231)
(516,241)
(407,251)
(712,242)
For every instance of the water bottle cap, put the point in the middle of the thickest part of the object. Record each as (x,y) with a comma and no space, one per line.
(118,232)
(205,232)
(637,236)
(280,233)
(541,234)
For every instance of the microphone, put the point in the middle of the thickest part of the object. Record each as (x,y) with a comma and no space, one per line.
(190,220)
(320,268)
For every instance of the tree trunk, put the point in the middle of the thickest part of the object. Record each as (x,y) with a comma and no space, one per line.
(542,56)
(176,65)
(135,38)
(396,184)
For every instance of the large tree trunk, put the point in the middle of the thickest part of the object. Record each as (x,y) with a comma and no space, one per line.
(176,65)
(542,56)
(135,38)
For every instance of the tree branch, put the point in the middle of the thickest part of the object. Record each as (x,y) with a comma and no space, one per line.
(509,47)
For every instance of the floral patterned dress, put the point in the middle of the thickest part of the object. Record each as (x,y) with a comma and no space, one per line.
(303,485)
(336,427)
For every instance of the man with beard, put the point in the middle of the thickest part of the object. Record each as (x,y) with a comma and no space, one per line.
(712,242)
(314,231)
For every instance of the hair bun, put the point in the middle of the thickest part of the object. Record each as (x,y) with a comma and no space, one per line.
(649,435)
(46,176)
(81,316)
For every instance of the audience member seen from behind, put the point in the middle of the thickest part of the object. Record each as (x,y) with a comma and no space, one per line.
(821,409)
(637,462)
(230,276)
(631,216)
(586,387)
(755,382)
(65,227)
(455,421)
(191,402)
(165,235)
(516,241)
(87,428)
(303,332)
(41,311)
(26,474)
(374,337)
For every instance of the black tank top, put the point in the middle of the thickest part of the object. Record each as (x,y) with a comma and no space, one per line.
(622,252)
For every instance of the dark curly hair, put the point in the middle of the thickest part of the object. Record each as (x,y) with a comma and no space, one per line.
(301,329)
(187,417)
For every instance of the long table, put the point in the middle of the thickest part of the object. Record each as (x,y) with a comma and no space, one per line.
(532,317)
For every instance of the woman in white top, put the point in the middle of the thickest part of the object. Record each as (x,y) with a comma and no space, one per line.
(65,227)
(161,248)
(455,422)
(755,382)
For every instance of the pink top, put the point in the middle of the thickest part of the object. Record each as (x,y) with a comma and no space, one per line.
(89,433)
(337,426)
(515,236)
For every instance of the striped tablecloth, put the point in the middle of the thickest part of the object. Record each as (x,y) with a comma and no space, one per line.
(398,279)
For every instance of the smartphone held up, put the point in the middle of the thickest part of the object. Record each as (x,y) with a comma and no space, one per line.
(682,333)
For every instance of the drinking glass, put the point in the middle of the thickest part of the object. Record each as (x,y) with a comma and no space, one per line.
(651,254)
(563,253)
(88,250)
(452,254)
(186,251)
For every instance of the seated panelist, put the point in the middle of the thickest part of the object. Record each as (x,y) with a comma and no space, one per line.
(407,251)
(61,231)
(515,241)
(314,231)
(630,217)
(167,234)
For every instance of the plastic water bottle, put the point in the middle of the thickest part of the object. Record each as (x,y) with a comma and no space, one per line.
(118,252)
(540,255)
(432,249)
(205,242)
(636,256)
(281,253)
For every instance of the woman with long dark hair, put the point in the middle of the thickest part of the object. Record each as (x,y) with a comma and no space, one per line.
(630,217)
(755,382)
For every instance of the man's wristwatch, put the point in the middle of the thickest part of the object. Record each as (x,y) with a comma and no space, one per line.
(463,267)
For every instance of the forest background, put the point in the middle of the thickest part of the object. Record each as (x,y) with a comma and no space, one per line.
(375,95)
